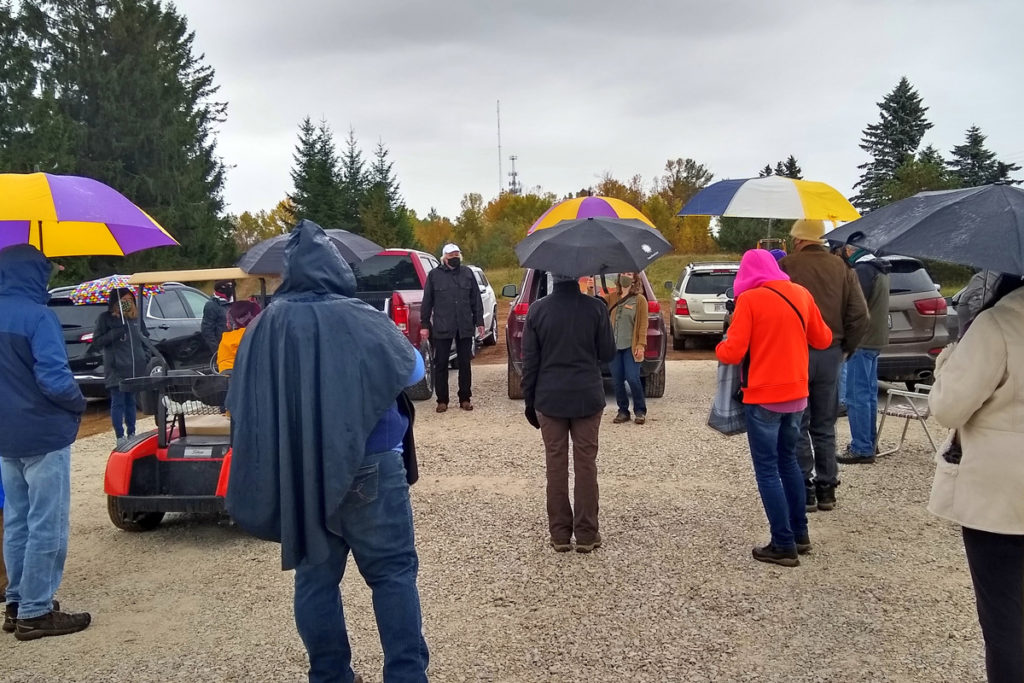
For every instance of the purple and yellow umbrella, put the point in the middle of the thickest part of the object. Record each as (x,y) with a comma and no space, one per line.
(73,216)
(587,207)
(98,291)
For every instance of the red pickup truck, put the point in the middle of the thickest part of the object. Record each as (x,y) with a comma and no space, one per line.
(392,281)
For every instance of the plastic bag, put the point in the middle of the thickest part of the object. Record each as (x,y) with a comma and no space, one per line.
(727,412)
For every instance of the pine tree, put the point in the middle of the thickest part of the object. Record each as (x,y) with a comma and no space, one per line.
(789,168)
(890,142)
(383,216)
(353,184)
(766,171)
(973,164)
(317,195)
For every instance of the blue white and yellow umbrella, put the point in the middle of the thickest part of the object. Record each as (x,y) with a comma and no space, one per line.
(771,197)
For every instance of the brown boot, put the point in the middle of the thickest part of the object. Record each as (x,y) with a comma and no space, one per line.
(11,615)
(442,407)
(466,405)
(52,624)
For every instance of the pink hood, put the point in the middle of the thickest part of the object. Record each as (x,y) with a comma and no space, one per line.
(757,267)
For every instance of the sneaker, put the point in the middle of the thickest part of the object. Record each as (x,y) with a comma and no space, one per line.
(588,547)
(770,553)
(121,441)
(466,405)
(812,500)
(826,494)
(640,418)
(442,407)
(803,544)
(850,458)
(620,418)
(53,624)
(11,615)
(561,546)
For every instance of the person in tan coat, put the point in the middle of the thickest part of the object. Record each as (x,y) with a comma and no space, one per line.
(979,391)
(627,307)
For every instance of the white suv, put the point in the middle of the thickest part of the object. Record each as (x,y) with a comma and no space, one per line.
(698,300)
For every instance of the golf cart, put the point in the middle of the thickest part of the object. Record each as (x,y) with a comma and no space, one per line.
(182,465)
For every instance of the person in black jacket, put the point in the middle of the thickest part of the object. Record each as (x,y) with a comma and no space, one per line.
(453,312)
(566,339)
(215,314)
(126,352)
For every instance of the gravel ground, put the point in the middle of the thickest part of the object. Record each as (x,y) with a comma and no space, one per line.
(674,595)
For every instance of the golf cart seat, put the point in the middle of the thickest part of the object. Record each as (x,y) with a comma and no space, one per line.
(210,425)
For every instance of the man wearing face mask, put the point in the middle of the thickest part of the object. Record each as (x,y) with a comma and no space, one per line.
(453,313)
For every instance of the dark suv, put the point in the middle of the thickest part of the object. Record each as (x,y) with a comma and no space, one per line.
(537,283)
(917,323)
(173,319)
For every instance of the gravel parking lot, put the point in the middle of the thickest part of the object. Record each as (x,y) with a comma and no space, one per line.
(673,596)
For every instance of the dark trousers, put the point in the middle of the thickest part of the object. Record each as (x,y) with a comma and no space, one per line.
(997,570)
(122,412)
(563,522)
(464,351)
(816,450)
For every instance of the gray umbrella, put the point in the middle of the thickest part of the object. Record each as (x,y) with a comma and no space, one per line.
(267,257)
(588,246)
(981,227)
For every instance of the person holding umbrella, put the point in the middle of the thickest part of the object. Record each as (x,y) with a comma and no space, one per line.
(627,307)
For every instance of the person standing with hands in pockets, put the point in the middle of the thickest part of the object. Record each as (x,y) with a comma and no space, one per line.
(627,307)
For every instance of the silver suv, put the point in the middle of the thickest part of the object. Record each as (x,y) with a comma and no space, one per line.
(698,300)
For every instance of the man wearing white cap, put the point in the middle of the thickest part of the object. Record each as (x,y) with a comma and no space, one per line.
(452,312)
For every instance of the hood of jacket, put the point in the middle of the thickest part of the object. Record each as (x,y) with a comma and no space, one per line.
(24,272)
(757,267)
(863,257)
(312,265)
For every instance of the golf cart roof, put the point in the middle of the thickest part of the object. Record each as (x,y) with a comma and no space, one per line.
(199,275)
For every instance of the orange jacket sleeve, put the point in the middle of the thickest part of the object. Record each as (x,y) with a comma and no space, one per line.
(736,343)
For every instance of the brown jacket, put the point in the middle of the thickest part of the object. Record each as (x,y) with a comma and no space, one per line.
(639,326)
(835,289)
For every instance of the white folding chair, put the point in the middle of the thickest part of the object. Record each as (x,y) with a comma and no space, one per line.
(905,405)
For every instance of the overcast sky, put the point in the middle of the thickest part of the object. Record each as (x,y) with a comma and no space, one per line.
(598,86)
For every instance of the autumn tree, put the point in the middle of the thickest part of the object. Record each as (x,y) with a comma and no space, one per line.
(434,231)
(469,225)
(250,228)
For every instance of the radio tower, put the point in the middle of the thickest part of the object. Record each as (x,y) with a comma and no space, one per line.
(501,175)
(514,186)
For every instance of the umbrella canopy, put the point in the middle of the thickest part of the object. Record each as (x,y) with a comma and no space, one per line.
(590,246)
(98,291)
(981,227)
(267,257)
(587,207)
(73,216)
(771,197)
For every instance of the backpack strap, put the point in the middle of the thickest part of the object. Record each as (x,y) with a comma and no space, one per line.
(795,309)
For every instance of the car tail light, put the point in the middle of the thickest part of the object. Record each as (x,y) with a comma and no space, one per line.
(934,352)
(400,312)
(681,307)
(520,310)
(936,306)
(653,307)
(86,338)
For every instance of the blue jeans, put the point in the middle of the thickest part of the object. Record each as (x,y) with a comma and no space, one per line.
(773,438)
(122,412)
(625,370)
(862,400)
(378,529)
(842,385)
(36,526)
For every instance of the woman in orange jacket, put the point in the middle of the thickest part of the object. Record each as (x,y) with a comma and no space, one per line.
(627,306)
(774,322)
(240,314)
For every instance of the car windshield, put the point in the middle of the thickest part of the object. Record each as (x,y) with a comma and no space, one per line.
(72,316)
(710,281)
(386,272)
(909,276)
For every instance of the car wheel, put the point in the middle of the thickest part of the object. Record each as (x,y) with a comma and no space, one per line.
(492,337)
(678,343)
(423,389)
(654,385)
(515,382)
(131,521)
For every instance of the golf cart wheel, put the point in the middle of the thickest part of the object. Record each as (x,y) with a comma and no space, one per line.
(492,336)
(424,389)
(515,385)
(654,386)
(131,521)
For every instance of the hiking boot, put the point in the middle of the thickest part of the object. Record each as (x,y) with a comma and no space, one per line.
(466,405)
(848,457)
(620,418)
(812,500)
(442,407)
(803,544)
(640,418)
(561,546)
(769,553)
(53,624)
(588,547)
(826,494)
(11,615)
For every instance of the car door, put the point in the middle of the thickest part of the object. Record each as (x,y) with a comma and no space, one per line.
(487,296)
(173,330)
(196,302)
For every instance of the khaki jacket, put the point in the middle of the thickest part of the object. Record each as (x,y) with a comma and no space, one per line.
(640,325)
(979,390)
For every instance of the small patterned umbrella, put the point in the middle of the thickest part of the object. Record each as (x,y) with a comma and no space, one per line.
(98,291)
(587,207)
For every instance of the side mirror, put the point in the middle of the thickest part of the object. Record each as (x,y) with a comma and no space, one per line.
(509,291)
(668,285)
(938,287)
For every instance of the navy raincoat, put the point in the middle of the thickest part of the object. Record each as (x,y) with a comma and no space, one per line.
(315,372)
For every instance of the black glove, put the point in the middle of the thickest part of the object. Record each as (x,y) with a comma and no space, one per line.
(531,417)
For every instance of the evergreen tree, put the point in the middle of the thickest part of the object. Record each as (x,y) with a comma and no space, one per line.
(317,195)
(766,171)
(383,216)
(353,184)
(973,164)
(789,168)
(890,142)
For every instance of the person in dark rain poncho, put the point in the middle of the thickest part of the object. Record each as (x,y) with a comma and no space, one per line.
(323,455)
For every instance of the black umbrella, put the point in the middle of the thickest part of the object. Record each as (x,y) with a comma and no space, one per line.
(981,227)
(267,257)
(588,246)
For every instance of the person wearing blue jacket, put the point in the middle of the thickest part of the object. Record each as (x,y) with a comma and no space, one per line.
(42,408)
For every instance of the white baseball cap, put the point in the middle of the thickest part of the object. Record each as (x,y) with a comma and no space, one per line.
(450,249)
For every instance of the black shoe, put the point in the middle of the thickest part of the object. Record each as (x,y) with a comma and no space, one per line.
(850,458)
(812,501)
(771,554)
(52,624)
(803,544)
(826,494)
(11,615)
(621,418)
